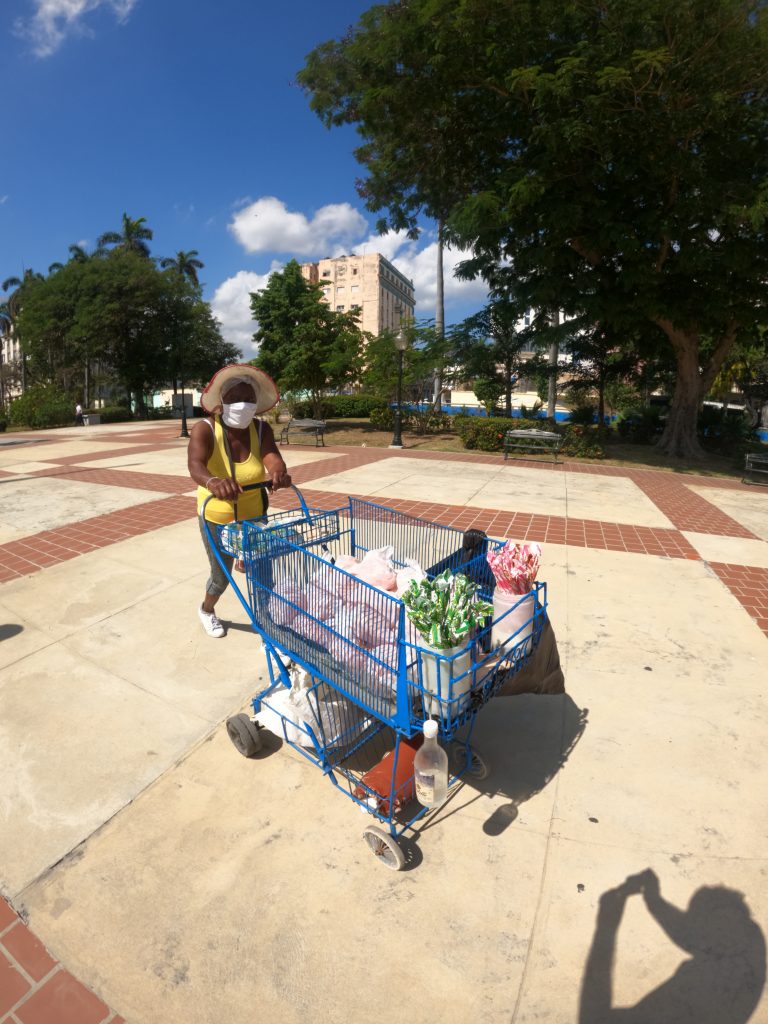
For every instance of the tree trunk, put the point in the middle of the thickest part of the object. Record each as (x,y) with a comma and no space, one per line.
(680,438)
(554,350)
(87,387)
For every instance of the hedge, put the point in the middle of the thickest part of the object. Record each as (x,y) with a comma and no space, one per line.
(487,434)
(339,407)
(42,406)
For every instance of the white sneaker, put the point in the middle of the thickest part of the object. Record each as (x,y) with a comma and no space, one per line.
(211,624)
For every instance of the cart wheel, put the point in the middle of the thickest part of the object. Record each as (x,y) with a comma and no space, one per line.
(385,848)
(244,734)
(477,768)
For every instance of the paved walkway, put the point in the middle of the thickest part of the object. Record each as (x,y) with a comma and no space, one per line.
(150,874)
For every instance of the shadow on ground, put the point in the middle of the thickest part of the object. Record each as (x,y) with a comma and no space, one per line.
(721,983)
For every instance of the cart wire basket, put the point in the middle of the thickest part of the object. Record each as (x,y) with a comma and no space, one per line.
(350,680)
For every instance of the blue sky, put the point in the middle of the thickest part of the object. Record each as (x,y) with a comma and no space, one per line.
(186,113)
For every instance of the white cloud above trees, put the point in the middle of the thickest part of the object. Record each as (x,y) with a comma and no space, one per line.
(267,225)
(231,305)
(53,20)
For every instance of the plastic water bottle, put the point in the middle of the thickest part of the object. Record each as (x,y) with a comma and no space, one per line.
(430,769)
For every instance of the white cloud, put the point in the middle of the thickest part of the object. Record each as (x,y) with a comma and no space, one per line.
(3,200)
(54,20)
(231,305)
(267,225)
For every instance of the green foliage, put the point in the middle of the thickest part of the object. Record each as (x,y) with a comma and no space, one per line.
(487,434)
(609,161)
(42,406)
(639,425)
(113,413)
(581,442)
(428,353)
(304,344)
(339,407)
(488,347)
(488,391)
(3,426)
(724,431)
(383,417)
(582,415)
(143,326)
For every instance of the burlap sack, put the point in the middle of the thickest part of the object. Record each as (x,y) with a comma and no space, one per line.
(542,674)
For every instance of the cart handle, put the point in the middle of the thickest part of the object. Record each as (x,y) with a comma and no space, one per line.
(265,485)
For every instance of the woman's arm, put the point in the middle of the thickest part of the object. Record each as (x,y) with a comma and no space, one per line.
(273,460)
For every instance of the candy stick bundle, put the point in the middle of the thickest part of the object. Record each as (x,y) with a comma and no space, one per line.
(515,566)
(445,610)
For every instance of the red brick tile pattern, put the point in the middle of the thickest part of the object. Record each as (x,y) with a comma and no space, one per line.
(35,988)
(686,509)
(749,585)
(22,557)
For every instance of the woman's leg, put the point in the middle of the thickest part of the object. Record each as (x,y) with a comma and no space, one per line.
(217,581)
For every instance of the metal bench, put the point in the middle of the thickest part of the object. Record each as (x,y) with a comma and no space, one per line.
(757,464)
(532,441)
(316,427)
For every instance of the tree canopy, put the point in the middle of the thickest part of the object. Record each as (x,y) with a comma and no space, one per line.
(608,159)
(304,344)
(143,326)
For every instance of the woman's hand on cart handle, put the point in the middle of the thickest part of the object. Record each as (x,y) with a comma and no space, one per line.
(224,489)
(281,478)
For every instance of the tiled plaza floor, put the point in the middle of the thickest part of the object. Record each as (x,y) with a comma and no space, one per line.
(34,987)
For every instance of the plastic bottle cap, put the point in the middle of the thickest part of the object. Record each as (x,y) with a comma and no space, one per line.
(430,729)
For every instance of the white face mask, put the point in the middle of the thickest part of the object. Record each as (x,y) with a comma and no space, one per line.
(239,414)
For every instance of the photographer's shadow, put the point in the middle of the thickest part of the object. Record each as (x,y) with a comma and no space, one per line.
(720,984)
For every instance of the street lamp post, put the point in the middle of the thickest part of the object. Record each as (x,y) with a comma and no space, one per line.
(184,431)
(401,343)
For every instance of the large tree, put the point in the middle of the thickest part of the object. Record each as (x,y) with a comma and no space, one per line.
(141,325)
(611,156)
(304,344)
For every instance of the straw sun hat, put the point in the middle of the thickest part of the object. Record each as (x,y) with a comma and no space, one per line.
(265,388)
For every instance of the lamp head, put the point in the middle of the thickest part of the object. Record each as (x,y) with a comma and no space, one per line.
(401,341)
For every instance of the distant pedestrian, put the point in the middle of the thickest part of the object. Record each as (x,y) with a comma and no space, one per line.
(79,420)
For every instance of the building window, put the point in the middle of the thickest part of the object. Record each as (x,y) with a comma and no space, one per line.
(326,273)
(340,288)
(340,309)
(354,288)
(327,291)
(354,270)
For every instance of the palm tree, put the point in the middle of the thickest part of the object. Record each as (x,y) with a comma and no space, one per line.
(133,236)
(184,263)
(13,307)
(77,254)
(5,330)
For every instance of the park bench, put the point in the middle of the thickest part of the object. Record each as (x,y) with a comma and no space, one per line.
(532,441)
(755,464)
(293,426)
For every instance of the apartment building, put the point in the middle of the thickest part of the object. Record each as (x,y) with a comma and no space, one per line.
(370,284)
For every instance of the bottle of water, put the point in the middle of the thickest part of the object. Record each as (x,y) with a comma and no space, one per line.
(430,769)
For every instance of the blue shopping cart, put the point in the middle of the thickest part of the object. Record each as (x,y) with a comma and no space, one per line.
(350,681)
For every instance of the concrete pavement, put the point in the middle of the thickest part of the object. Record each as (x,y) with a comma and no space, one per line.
(177,881)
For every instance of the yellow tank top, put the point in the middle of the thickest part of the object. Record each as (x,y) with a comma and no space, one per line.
(250,505)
